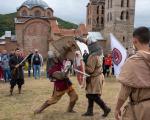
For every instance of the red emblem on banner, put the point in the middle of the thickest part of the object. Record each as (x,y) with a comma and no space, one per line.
(117,56)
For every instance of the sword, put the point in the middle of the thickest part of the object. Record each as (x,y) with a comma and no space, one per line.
(24,59)
(14,71)
(87,75)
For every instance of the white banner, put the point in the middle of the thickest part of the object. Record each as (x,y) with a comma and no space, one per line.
(119,54)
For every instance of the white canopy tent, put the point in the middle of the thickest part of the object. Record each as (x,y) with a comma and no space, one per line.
(94,36)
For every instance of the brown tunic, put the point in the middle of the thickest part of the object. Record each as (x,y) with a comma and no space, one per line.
(94,68)
(141,109)
(135,80)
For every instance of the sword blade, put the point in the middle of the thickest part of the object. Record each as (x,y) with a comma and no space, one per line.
(82,72)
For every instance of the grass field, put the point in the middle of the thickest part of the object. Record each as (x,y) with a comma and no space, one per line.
(35,92)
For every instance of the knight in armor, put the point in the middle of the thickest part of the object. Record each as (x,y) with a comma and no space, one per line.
(16,71)
(62,85)
(94,83)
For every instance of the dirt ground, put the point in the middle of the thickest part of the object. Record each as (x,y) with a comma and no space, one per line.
(35,92)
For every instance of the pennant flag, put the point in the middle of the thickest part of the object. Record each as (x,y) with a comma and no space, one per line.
(119,54)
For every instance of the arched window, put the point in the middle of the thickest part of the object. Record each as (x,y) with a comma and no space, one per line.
(97,20)
(127,15)
(24,13)
(102,9)
(110,3)
(94,21)
(97,9)
(88,12)
(123,39)
(37,13)
(89,20)
(110,17)
(102,20)
(49,14)
(127,3)
(122,3)
(122,15)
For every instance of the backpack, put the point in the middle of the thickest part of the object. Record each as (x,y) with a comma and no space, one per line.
(36,60)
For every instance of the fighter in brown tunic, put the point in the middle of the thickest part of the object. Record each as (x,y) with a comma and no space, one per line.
(95,82)
(135,80)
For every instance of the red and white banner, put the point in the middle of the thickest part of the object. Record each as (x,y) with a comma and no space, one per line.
(119,54)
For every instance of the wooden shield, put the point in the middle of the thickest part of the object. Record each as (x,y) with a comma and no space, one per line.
(64,48)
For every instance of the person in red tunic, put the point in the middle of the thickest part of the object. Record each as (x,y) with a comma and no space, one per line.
(61,86)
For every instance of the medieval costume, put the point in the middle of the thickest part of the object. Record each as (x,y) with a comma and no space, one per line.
(94,83)
(135,84)
(62,85)
(16,73)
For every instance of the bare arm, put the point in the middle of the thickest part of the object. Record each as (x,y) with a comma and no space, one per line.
(123,95)
(118,108)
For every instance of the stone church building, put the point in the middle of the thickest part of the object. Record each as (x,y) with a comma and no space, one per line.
(112,16)
(36,26)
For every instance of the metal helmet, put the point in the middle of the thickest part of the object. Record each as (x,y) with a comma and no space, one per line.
(95,48)
(51,54)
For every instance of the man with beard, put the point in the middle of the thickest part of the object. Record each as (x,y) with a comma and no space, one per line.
(16,71)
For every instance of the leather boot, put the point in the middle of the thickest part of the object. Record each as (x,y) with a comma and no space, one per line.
(44,106)
(106,112)
(102,105)
(11,91)
(90,108)
(70,107)
(19,89)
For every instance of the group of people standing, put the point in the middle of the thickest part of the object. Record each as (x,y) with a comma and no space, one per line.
(12,67)
(134,79)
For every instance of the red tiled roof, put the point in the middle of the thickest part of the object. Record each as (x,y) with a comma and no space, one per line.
(68,32)
(81,30)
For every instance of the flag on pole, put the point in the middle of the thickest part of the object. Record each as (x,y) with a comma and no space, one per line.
(119,54)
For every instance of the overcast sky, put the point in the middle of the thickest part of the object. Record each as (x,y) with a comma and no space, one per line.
(75,10)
